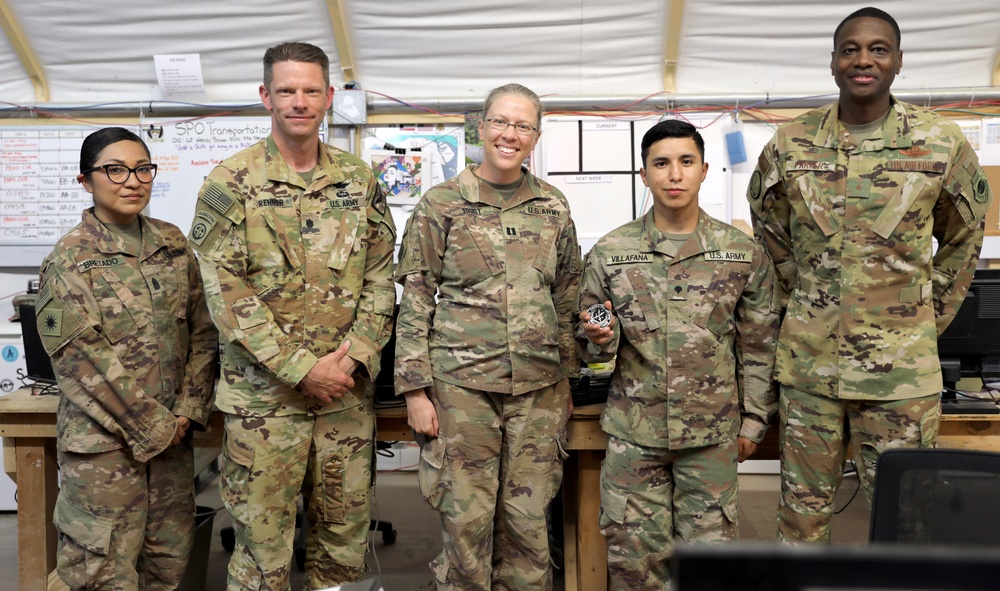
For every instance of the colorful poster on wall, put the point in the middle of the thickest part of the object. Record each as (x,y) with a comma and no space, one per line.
(442,146)
(404,177)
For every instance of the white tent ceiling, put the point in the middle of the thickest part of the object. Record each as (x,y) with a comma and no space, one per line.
(98,51)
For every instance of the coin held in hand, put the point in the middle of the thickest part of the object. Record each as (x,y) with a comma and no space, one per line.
(599,315)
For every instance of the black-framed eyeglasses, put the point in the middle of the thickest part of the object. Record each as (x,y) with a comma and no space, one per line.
(502,124)
(119,173)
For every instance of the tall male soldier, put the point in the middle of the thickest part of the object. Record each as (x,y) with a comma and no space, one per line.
(848,199)
(296,250)
(693,328)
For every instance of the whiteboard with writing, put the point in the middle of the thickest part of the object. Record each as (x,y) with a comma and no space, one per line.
(40,198)
(186,151)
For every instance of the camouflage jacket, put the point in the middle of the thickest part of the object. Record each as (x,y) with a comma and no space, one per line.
(850,230)
(130,338)
(695,361)
(292,270)
(506,280)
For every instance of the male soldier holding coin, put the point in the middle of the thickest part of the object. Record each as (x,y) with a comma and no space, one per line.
(688,311)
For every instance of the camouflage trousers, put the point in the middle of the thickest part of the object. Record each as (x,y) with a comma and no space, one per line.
(815,436)
(491,474)
(267,462)
(650,497)
(125,525)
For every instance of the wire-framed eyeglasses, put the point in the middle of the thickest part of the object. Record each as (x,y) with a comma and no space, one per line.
(119,173)
(500,124)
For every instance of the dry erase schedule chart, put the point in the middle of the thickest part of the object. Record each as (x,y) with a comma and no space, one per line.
(40,199)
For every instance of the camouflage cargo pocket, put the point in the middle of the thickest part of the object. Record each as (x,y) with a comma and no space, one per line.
(612,521)
(84,544)
(432,473)
(898,206)
(478,264)
(245,571)
(237,459)
(334,509)
(545,254)
(731,511)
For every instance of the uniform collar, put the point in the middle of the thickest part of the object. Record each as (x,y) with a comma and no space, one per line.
(109,243)
(276,168)
(702,239)
(894,133)
(475,191)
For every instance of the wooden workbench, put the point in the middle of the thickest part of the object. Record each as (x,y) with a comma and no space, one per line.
(28,426)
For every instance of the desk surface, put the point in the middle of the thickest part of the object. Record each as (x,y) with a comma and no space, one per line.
(29,423)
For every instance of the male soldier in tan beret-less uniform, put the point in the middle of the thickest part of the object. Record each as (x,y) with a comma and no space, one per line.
(296,248)
(693,338)
(849,199)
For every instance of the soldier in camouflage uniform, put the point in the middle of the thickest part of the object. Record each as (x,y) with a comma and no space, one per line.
(848,200)
(122,313)
(693,330)
(296,246)
(484,364)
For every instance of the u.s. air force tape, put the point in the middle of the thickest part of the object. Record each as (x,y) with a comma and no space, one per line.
(599,315)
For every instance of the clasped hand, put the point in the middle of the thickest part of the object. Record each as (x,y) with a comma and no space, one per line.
(331,376)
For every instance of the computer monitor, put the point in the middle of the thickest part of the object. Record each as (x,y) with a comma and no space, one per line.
(36,360)
(970,346)
(780,567)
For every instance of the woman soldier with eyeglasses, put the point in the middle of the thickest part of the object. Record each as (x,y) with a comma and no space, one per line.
(490,269)
(122,314)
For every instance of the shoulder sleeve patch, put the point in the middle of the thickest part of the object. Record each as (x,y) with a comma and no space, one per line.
(50,323)
(981,187)
(203,224)
(378,201)
(44,297)
(216,198)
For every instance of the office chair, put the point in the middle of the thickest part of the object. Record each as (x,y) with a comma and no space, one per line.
(937,496)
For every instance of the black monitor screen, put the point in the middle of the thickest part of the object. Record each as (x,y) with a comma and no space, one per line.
(36,360)
(974,334)
(744,566)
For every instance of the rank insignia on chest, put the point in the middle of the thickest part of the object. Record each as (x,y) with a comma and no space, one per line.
(678,290)
(859,188)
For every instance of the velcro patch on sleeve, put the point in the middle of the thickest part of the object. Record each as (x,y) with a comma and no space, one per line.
(50,323)
(216,198)
(44,297)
